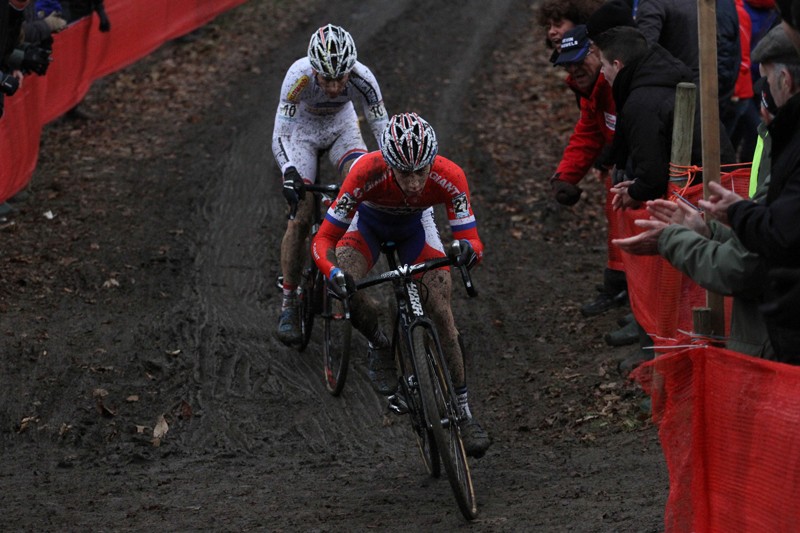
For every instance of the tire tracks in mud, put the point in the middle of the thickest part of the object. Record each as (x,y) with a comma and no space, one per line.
(253,392)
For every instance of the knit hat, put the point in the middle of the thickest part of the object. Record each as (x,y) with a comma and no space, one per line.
(775,47)
(574,46)
(610,15)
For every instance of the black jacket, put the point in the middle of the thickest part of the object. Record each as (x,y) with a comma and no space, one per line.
(772,230)
(673,25)
(644,92)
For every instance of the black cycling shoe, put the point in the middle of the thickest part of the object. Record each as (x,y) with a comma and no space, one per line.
(398,403)
(475,439)
(381,370)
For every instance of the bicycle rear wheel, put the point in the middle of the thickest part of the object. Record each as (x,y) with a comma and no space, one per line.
(441,409)
(308,302)
(336,344)
(409,386)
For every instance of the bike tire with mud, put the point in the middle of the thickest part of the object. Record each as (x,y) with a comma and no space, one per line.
(307,306)
(336,343)
(441,411)
(409,386)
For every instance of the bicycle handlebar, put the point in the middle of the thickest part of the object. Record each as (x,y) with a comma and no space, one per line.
(322,188)
(318,188)
(405,271)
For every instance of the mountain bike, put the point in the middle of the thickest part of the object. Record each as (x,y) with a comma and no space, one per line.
(315,298)
(426,391)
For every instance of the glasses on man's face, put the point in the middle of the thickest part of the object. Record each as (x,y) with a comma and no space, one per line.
(326,79)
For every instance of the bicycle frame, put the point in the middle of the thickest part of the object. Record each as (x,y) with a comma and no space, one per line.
(425,381)
(310,289)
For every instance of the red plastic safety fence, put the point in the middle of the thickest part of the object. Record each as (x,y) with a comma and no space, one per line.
(729,426)
(82,54)
(661,297)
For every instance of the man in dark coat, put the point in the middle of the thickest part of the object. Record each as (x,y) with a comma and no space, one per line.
(643,81)
(673,25)
(772,230)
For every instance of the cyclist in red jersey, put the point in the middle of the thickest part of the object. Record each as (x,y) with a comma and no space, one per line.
(389,195)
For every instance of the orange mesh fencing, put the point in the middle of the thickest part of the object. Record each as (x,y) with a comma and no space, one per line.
(729,425)
(661,297)
(615,261)
(81,55)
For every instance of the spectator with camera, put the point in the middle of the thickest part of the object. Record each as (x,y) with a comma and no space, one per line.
(74,10)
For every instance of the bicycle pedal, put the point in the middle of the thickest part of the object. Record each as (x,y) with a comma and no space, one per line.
(397,404)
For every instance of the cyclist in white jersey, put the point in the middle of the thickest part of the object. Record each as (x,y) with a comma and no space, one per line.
(316,113)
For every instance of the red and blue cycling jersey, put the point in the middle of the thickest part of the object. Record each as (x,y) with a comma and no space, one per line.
(371,209)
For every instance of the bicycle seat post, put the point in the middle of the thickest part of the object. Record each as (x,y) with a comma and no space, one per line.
(388,248)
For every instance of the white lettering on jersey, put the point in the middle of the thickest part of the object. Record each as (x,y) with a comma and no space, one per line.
(443,183)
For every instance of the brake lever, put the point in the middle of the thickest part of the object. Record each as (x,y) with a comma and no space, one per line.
(455,251)
(467,279)
(339,280)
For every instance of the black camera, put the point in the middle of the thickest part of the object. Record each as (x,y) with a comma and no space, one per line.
(29,58)
(8,84)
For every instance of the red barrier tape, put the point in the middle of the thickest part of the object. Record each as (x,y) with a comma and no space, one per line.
(662,298)
(729,426)
(81,55)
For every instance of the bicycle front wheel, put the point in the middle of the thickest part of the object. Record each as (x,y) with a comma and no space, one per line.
(336,345)
(441,410)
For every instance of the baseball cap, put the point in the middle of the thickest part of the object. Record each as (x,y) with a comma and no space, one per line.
(574,46)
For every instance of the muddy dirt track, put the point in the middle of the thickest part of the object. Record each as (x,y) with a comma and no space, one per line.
(148,299)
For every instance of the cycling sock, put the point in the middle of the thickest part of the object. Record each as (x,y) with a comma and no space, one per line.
(461,394)
(289,295)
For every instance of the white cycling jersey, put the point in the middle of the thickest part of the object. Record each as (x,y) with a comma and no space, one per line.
(308,122)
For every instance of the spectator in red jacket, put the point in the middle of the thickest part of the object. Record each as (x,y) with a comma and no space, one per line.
(593,133)
(742,122)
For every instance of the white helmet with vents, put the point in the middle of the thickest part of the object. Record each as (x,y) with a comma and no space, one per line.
(332,51)
(408,143)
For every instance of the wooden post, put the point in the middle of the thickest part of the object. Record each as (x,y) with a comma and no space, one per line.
(709,106)
(683,124)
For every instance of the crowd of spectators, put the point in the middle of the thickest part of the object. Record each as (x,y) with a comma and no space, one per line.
(26,46)
(743,248)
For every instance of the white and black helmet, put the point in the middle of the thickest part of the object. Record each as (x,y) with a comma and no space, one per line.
(332,51)
(408,143)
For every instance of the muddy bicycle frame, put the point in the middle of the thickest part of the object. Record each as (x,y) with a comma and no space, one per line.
(426,390)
